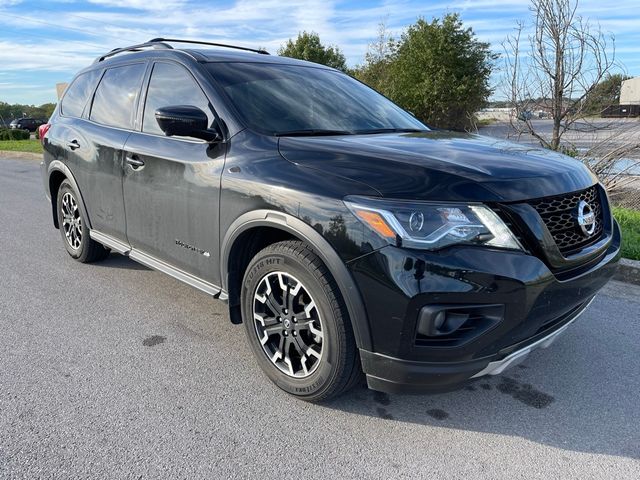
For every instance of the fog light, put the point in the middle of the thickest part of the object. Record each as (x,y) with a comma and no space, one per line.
(434,321)
(458,322)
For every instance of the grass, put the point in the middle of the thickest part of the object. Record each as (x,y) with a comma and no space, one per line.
(485,122)
(629,221)
(31,145)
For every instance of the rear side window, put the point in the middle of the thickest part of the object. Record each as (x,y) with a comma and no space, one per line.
(171,84)
(78,93)
(115,99)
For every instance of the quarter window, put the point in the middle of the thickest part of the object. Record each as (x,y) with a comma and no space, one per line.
(78,93)
(115,99)
(169,85)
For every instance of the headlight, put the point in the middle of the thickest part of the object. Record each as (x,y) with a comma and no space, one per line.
(432,226)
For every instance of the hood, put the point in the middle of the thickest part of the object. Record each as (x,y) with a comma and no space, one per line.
(439,165)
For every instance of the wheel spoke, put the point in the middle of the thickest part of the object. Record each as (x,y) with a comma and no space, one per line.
(273,329)
(311,351)
(273,305)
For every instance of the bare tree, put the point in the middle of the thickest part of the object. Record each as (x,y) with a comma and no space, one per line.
(559,64)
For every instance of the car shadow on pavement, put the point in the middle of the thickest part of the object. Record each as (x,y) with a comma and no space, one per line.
(562,397)
(115,260)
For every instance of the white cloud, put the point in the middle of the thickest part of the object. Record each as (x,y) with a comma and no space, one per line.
(140,4)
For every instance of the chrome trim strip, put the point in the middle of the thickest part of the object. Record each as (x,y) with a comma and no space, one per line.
(499,366)
(110,242)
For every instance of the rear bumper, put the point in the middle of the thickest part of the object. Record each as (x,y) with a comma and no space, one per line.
(397,284)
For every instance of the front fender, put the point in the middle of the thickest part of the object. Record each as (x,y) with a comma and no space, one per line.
(298,228)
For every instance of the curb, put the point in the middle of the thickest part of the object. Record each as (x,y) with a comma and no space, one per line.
(20,155)
(628,271)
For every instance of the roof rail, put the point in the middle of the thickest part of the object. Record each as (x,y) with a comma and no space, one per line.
(198,42)
(134,48)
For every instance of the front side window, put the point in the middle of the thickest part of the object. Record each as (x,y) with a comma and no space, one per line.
(115,99)
(279,99)
(171,85)
(78,93)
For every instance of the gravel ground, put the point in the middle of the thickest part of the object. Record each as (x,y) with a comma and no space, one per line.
(112,370)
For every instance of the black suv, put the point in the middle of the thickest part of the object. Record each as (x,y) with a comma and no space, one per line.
(26,123)
(346,235)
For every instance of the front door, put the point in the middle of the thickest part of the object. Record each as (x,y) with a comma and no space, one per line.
(172,185)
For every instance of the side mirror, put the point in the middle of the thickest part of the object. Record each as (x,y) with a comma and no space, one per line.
(185,121)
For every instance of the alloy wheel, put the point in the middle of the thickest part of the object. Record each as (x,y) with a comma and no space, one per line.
(71,220)
(288,324)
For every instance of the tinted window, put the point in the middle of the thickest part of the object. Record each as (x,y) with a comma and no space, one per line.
(276,99)
(116,96)
(171,84)
(78,93)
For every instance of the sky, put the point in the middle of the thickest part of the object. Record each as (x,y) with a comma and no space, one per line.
(45,42)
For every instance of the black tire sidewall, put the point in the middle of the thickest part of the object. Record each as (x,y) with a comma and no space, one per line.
(324,376)
(81,252)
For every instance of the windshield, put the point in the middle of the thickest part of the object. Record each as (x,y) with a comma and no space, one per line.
(296,100)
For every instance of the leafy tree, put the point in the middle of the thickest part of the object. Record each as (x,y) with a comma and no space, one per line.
(604,94)
(376,70)
(308,47)
(440,72)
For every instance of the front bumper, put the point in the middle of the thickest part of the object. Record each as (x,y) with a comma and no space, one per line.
(397,283)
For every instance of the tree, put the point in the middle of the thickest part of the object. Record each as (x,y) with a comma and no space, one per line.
(308,47)
(604,94)
(375,71)
(440,72)
(8,111)
(563,62)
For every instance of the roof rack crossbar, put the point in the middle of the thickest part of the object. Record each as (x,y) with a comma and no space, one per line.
(198,42)
(134,48)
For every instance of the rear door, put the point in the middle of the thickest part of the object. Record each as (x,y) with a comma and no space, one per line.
(172,184)
(111,119)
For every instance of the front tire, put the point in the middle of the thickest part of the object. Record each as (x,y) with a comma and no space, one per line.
(73,227)
(297,323)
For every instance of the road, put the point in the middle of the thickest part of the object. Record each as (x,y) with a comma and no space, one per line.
(112,370)
(603,135)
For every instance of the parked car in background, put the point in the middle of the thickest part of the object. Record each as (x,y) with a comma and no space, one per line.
(26,123)
(345,234)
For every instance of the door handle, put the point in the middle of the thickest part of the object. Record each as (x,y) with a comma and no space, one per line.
(73,144)
(134,161)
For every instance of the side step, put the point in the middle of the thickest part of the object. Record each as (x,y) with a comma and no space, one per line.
(152,262)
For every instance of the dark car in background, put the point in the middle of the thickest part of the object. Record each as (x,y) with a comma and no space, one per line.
(26,123)
(347,236)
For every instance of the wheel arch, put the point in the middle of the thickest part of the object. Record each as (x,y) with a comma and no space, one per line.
(289,227)
(58,172)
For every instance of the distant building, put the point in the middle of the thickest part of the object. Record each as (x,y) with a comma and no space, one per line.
(630,92)
(60,88)
(629,100)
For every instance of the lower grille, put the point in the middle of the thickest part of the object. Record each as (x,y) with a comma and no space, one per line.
(559,215)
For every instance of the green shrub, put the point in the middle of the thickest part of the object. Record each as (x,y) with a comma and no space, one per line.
(10,134)
(629,221)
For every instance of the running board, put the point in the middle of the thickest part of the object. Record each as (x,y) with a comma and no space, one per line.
(110,242)
(156,264)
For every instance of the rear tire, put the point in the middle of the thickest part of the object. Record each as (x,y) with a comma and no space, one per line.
(73,227)
(297,323)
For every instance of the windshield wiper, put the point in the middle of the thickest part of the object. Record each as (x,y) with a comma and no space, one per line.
(311,132)
(391,130)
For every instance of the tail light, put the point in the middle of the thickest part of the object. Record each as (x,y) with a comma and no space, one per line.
(42,131)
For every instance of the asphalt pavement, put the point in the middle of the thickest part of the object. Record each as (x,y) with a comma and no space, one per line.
(112,370)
